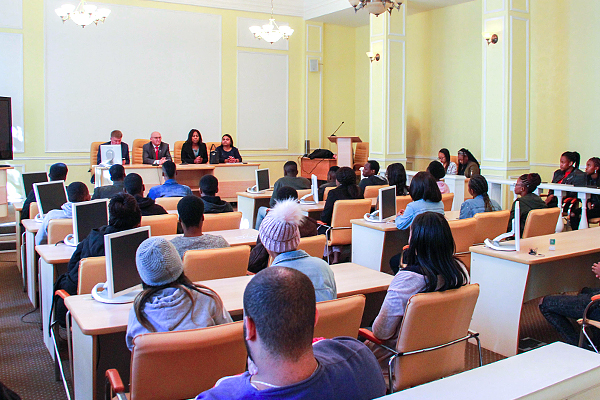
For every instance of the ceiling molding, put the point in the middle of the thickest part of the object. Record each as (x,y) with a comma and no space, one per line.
(281,7)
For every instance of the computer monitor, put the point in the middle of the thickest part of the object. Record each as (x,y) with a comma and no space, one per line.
(50,196)
(262,181)
(387,202)
(314,191)
(515,245)
(29,178)
(110,154)
(88,215)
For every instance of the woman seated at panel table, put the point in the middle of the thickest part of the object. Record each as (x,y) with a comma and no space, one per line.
(593,205)
(481,202)
(528,200)
(568,173)
(467,164)
(193,150)
(444,158)
(227,152)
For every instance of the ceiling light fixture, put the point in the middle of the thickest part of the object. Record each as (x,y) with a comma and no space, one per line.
(376,7)
(271,32)
(84,14)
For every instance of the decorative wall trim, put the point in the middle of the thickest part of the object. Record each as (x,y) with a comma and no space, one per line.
(383,119)
(320,38)
(526,10)
(389,81)
(486,11)
(318,8)
(510,95)
(284,7)
(53,158)
(389,24)
(504,168)
(544,165)
(320,100)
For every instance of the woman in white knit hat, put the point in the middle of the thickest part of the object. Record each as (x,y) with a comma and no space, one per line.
(169,301)
(280,235)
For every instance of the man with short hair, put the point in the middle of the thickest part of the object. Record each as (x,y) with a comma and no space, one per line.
(116,138)
(331,181)
(191,217)
(134,185)
(279,319)
(58,172)
(156,152)
(370,171)
(290,178)
(117,175)
(76,192)
(209,187)
(170,188)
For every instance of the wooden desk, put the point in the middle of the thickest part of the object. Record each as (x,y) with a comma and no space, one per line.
(94,322)
(317,166)
(507,279)
(31,228)
(249,203)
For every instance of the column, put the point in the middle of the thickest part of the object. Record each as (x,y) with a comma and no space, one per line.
(314,85)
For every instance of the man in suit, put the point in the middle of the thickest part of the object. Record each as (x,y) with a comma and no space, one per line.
(117,174)
(115,138)
(156,152)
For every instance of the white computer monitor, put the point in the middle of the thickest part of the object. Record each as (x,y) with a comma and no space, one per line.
(314,191)
(49,196)
(110,154)
(262,181)
(515,245)
(29,178)
(88,215)
(387,203)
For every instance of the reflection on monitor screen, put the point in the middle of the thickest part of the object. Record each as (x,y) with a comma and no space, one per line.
(121,258)
(50,196)
(29,178)
(110,154)
(89,215)
(387,202)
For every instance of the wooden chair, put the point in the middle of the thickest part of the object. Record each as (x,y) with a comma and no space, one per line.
(177,151)
(432,337)
(303,192)
(93,155)
(447,199)
(541,222)
(203,265)
(166,365)
(326,193)
(454,159)
(33,210)
(373,191)
(490,224)
(161,225)
(222,221)
(467,195)
(361,155)
(92,270)
(168,203)
(210,144)
(137,151)
(402,202)
(463,232)
(313,245)
(58,229)
(340,231)
(340,317)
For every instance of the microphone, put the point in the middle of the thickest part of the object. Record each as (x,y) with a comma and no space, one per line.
(338,128)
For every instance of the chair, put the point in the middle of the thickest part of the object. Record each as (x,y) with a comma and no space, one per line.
(432,337)
(593,221)
(490,224)
(326,192)
(33,210)
(454,159)
(585,323)
(222,221)
(168,203)
(340,231)
(180,364)
(541,222)
(93,156)
(58,229)
(161,225)
(402,202)
(209,145)
(313,245)
(463,232)
(303,192)
(137,151)
(340,317)
(177,151)
(373,191)
(447,199)
(203,265)
(361,155)
(92,270)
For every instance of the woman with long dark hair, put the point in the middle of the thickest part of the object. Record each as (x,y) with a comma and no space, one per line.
(449,165)
(467,163)
(227,152)
(568,173)
(425,195)
(525,186)
(396,175)
(481,202)
(193,150)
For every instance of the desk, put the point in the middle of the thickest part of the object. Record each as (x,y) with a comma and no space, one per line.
(315,210)
(235,237)
(249,203)
(555,371)
(92,321)
(317,166)
(507,279)
(31,228)
(18,208)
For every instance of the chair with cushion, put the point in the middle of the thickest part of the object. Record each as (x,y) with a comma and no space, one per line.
(33,210)
(340,231)
(463,232)
(177,151)
(58,229)
(326,192)
(361,155)
(180,364)
(92,270)
(203,265)
(313,245)
(541,222)
(160,225)
(340,317)
(94,155)
(168,203)
(432,337)
(303,192)
(447,199)
(373,191)
(402,202)
(222,221)
(490,224)
(137,151)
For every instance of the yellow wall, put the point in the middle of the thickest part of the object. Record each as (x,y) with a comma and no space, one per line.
(361,82)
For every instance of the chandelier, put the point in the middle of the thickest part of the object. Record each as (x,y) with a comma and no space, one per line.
(376,7)
(84,14)
(271,32)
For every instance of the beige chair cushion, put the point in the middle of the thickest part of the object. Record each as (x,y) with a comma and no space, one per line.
(541,222)
(340,317)
(463,232)
(58,229)
(326,192)
(490,225)
(402,202)
(137,152)
(373,191)
(343,212)
(94,153)
(203,265)
(222,221)
(92,270)
(177,151)
(160,225)
(447,199)
(313,245)
(168,203)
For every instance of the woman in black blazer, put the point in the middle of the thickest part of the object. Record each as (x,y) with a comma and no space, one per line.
(193,150)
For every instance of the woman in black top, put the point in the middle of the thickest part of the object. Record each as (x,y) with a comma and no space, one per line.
(592,168)
(568,173)
(193,150)
(227,152)
(467,163)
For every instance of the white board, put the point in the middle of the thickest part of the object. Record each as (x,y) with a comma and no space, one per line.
(142,70)
(11,82)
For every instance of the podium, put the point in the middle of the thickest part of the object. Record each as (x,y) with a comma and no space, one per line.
(344,149)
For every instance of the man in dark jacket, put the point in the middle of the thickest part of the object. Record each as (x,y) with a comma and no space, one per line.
(134,185)
(117,175)
(209,187)
(370,177)
(58,172)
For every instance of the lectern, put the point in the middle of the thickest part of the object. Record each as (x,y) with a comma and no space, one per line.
(344,149)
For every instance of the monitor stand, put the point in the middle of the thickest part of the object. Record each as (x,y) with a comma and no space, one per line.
(102,296)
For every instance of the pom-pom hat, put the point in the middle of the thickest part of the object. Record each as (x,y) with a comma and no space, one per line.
(279,231)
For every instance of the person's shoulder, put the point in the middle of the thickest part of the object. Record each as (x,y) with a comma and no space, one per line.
(229,387)
(342,350)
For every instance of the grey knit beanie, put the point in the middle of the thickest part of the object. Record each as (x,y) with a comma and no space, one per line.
(279,231)
(158,262)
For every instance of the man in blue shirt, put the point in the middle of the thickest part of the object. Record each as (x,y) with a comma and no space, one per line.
(170,188)
(279,319)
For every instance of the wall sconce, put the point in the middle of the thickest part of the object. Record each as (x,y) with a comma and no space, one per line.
(373,57)
(490,38)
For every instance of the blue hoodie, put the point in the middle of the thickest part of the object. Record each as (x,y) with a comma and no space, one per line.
(66,212)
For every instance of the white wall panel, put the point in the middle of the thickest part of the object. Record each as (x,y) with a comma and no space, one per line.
(11,82)
(11,14)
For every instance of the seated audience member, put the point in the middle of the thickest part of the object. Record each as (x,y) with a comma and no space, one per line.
(481,202)
(117,174)
(124,213)
(193,150)
(156,151)
(449,166)
(562,310)
(58,172)
(396,175)
(135,187)
(227,152)
(430,266)
(116,138)
(568,174)
(283,362)
(209,187)
(331,182)
(425,196)
(467,163)
(528,200)
(170,188)
(76,192)
(169,301)
(280,235)
(259,257)
(191,217)
(370,177)
(436,169)
(593,205)
(290,178)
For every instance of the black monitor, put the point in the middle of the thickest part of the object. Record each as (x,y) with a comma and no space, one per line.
(6,150)
(29,178)
(88,215)
(387,202)
(262,179)
(50,196)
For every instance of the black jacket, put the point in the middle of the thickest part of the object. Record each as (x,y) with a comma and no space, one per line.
(106,192)
(187,154)
(25,211)
(214,205)
(148,206)
(339,193)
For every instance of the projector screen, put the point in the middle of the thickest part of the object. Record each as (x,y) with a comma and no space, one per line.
(142,70)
